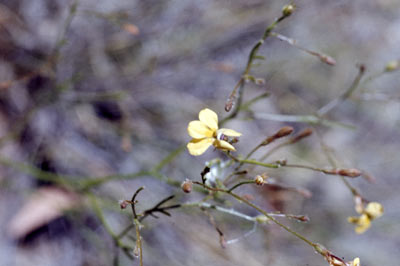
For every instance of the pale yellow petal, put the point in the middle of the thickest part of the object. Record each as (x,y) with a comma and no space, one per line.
(353,220)
(229,132)
(209,118)
(199,146)
(374,210)
(224,145)
(363,224)
(198,130)
(356,262)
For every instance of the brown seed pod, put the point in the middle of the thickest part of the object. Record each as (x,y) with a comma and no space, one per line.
(352,172)
(187,186)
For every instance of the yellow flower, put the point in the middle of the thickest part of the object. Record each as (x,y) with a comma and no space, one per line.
(205,132)
(363,223)
(372,211)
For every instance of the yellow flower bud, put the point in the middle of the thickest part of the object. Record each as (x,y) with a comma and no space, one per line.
(287,10)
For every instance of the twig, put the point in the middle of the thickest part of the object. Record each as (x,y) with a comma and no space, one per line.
(332,104)
(322,57)
(241,199)
(237,92)
(309,119)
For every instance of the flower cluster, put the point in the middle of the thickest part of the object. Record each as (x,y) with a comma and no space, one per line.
(363,222)
(205,132)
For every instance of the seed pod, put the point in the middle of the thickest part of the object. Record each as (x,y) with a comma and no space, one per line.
(327,59)
(283,132)
(259,180)
(187,186)
(303,134)
(352,172)
(123,204)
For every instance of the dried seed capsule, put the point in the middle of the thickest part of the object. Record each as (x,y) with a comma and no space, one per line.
(283,132)
(123,204)
(187,186)
(303,134)
(259,180)
(352,172)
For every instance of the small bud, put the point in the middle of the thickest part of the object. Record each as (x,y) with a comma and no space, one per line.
(287,10)
(136,251)
(304,134)
(334,260)
(260,81)
(281,162)
(259,180)
(283,132)
(352,172)
(392,66)
(300,218)
(358,204)
(131,28)
(327,60)
(124,203)
(361,67)
(262,219)
(303,218)
(187,186)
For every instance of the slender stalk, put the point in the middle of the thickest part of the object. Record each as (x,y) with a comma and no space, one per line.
(138,241)
(241,199)
(332,161)
(241,184)
(332,104)
(237,92)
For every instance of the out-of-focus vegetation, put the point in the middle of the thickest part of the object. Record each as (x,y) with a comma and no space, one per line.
(96,97)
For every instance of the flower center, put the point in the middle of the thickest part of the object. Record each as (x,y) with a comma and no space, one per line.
(221,136)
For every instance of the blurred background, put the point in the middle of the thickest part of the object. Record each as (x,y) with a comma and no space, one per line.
(90,89)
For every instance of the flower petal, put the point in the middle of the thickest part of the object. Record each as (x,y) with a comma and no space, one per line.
(363,223)
(198,130)
(229,132)
(199,146)
(224,145)
(356,262)
(374,210)
(209,118)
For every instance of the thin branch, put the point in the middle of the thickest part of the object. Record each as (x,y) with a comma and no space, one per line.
(241,199)
(332,104)
(138,240)
(133,202)
(237,92)
(322,57)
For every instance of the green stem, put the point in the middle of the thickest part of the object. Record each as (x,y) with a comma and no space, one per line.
(241,199)
(328,107)
(138,241)
(241,184)
(254,162)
